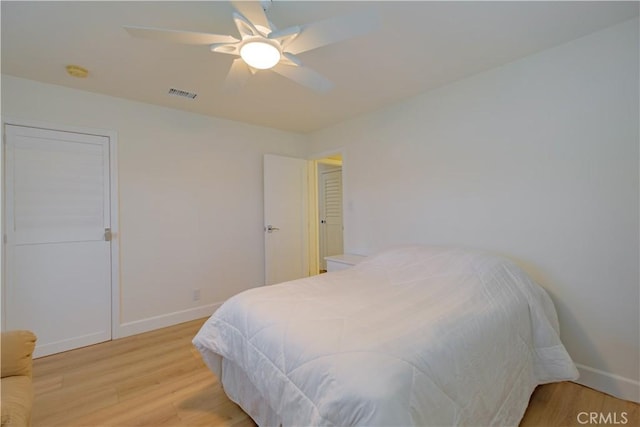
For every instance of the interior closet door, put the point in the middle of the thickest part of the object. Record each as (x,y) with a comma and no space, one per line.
(58,254)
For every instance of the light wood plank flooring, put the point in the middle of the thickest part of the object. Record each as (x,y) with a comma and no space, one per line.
(158,379)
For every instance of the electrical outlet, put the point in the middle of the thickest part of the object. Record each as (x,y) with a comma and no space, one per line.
(196,294)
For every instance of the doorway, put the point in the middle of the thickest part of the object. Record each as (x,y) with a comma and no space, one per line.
(303,215)
(329,209)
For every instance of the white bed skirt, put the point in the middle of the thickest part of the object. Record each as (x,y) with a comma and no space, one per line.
(241,390)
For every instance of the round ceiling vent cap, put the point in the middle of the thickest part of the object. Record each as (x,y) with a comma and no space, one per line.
(77,71)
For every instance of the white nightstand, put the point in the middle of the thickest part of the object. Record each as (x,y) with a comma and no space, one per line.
(340,262)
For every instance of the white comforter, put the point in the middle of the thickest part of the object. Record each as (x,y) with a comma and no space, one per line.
(412,336)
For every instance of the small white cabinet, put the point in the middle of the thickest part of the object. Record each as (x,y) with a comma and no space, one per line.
(340,262)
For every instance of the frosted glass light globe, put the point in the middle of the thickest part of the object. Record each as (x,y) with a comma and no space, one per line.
(260,55)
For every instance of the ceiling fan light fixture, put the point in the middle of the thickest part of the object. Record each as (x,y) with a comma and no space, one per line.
(260,54)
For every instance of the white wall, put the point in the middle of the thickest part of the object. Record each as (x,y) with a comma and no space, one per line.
(190,197)
(536,160)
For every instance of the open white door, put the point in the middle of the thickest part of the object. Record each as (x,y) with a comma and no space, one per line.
(286,213)
(58,253)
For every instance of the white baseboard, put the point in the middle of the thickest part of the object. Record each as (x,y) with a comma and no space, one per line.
(43,349)
(170,319)
(606,382)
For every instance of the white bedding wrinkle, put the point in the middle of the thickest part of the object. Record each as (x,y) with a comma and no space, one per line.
(413,336)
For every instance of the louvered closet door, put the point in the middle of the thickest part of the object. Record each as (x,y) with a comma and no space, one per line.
(58,280)
(331,217)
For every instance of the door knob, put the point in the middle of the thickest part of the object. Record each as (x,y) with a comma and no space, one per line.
(270,228)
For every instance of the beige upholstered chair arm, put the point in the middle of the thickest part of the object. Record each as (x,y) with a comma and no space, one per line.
(17,349)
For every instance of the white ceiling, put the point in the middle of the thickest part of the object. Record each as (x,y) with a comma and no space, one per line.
(419,46)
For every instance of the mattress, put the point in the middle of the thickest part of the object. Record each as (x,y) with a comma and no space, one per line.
(411,336)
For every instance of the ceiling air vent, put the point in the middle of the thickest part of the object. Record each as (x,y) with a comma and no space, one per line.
(182,93)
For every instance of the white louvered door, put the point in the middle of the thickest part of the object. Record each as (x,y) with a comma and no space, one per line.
(58,261)
(331,214)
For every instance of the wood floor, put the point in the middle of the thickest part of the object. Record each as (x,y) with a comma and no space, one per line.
(158,379)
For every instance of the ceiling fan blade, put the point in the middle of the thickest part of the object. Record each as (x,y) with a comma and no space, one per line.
(228,48)
(287,32)
(237,76)
(253,11)
(290,59)
(286,36)
(333,30)
(176,36)
(304,76)
(245,27)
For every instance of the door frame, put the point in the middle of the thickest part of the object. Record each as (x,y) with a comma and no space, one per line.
(314,218)
(113,196)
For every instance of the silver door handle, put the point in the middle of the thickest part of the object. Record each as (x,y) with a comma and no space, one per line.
(107,235)
(270,228)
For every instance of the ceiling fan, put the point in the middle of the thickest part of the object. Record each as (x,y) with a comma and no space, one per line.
(262,46)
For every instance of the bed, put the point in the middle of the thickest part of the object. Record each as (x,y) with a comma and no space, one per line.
(411,336)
